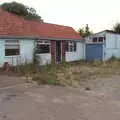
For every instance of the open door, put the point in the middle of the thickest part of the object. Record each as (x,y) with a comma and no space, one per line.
(58,52)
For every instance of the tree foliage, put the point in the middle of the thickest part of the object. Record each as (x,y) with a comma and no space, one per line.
(116,28)
(22,10)
(84,32)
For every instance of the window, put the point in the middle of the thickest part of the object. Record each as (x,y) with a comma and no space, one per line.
(100,39)
(12,47)
(43,49)
(95,39)
(43,46)
(74,46)
(71,47)
(67,46)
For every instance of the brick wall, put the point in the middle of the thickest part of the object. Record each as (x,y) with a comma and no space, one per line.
(53,50)
(63,49)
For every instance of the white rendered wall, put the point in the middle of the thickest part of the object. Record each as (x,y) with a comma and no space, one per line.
(26,54)
(78,55)
(112,46)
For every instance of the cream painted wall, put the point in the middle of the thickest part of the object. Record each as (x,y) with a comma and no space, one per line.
(44,58)
(112,47)
(2,53)
(78,55)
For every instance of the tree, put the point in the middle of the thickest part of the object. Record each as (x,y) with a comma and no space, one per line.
(81,31)
(87,30)
(84,32)
(22,10)
(116,28)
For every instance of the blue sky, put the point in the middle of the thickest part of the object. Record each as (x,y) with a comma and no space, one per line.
(99,14)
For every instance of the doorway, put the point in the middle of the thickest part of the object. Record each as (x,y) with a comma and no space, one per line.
(94,52)
(58,52)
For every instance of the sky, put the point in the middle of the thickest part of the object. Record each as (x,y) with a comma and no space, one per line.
(98,14)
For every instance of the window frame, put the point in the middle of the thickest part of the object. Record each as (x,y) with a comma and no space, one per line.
(9,43)
(94,39)
(98,39)
(71,46)
(43,42)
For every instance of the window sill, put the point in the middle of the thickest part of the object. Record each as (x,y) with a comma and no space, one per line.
(71,52)
(12,56)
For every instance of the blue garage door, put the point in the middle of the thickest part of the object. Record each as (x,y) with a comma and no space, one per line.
(94,52)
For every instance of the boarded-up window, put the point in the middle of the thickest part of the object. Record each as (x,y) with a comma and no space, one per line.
(42,47)
(12,47)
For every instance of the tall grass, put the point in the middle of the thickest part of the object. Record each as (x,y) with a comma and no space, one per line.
(66,73)
(41,74)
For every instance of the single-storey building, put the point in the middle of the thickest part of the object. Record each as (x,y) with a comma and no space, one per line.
(20,39)
(103,45)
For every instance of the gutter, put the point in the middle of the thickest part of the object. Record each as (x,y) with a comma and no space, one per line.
(40,38)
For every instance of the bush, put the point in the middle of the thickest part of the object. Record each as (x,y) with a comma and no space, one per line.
(45,79)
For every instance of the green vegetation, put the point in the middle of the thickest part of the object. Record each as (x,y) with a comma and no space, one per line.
(41,74)
(67,74)
(21,10)
(84,32)
(116,28)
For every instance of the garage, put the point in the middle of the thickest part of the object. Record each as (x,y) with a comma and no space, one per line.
(94,52)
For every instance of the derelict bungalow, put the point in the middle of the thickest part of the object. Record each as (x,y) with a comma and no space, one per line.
(20,39)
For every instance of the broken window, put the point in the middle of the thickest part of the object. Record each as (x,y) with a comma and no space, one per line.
(43,46)
(12,47)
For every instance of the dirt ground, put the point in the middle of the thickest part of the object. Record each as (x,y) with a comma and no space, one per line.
(6,80)
(26,101)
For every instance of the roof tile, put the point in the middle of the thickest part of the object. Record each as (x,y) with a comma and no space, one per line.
(11,24)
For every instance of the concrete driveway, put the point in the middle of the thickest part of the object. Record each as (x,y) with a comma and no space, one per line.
(26,102)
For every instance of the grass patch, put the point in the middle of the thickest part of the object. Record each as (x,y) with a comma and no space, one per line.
(41,74)
(42,78)
(67,73)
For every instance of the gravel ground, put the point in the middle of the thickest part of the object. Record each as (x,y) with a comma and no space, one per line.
(30,102)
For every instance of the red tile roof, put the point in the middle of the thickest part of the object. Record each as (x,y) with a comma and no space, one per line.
(13,25)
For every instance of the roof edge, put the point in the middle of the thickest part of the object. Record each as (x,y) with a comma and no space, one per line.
(108,31)
(35,37)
